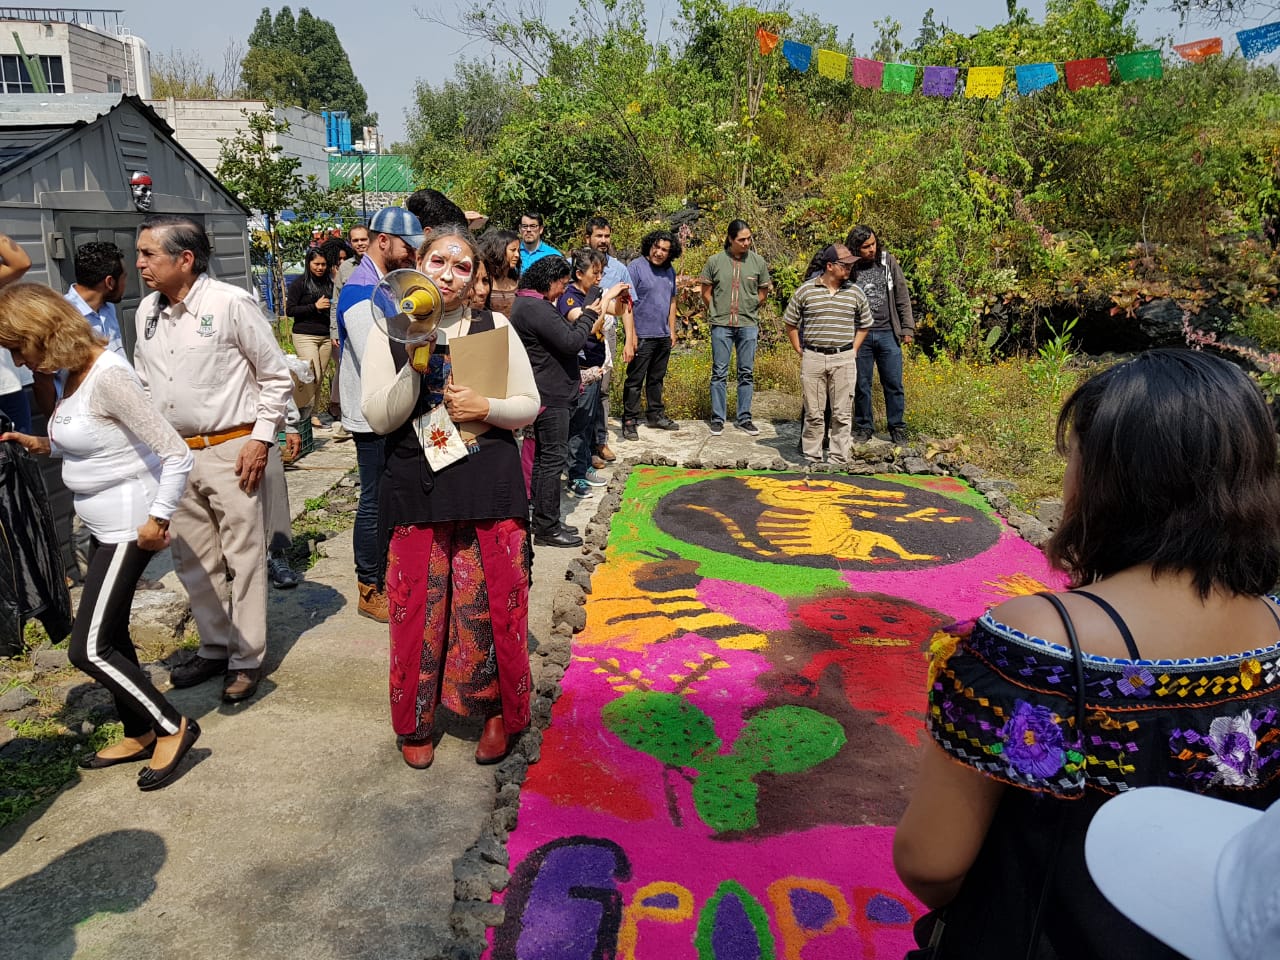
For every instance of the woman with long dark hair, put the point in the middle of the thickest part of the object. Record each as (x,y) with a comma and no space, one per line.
(500,251)
(1161,666)
(308,301)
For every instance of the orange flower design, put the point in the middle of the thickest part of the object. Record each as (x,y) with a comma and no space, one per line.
(438,438)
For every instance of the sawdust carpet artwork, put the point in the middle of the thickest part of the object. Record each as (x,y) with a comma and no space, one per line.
(738,728)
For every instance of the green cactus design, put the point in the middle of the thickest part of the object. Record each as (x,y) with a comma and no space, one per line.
(666,726)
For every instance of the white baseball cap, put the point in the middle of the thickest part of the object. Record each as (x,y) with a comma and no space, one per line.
(1200,874)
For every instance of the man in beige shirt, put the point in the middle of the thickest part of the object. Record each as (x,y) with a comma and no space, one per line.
(214,370)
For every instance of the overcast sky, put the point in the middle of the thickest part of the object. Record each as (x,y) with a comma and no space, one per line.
(390,47)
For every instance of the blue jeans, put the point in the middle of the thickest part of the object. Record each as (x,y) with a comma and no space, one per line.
(371,561)
(582,431)
(743,341)
(880,351)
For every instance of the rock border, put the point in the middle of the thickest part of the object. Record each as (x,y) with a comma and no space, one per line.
(484,869)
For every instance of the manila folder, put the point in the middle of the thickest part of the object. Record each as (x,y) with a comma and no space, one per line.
(479,361)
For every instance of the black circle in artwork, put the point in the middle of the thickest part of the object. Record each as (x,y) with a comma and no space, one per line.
(826,521)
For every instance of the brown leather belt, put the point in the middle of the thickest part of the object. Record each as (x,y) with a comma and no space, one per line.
(213,439)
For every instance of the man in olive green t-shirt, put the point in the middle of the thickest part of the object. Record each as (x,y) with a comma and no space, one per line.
(735,283)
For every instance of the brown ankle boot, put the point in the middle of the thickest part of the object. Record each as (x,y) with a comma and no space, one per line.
(494,744)
(372,603)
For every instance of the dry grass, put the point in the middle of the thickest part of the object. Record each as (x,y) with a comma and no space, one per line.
(1003,410)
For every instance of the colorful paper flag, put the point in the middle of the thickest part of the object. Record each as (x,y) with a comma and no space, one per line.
(833,65)
(797,54)
(868,73)
(1087,73)
(1139,65)
(899,77)
(1259,40)
(984,82)
(939,81)
(766,40)
(1198,50)
(1035,76)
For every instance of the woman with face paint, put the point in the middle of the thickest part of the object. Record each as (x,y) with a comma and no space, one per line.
(458,556)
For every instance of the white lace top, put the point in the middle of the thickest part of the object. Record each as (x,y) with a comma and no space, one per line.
(121,459)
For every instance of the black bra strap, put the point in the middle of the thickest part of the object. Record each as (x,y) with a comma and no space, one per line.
(1118,621)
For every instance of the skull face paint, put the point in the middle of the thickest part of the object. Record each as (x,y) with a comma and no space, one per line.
(451,265)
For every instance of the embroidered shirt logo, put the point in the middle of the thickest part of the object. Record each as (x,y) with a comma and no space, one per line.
(206,325)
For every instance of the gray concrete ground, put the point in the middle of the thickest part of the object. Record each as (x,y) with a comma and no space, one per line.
(295,830)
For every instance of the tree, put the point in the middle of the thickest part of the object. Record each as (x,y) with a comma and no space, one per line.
(252,165)
(301,61)
(183,75)
(461,116)
(1226,11)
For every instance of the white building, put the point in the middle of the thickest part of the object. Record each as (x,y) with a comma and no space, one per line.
(78,51)
(199,124)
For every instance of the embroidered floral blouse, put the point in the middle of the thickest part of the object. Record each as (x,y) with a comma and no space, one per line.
(1003,702)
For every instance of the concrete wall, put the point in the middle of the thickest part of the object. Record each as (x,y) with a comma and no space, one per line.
(89,57)
(40,40)
(97,57)
(199,124)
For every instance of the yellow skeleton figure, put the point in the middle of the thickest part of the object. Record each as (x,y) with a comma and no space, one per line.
(805,518)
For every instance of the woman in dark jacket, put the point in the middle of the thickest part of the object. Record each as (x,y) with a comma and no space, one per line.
(552,344)
(879,276)
(308,303)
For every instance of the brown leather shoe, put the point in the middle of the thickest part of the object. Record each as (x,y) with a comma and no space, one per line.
(605,454)
(494,743)
(240,684)
(372,603)
(418,755)
(599,462)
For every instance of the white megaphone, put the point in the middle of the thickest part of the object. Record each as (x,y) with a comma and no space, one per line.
(407,307)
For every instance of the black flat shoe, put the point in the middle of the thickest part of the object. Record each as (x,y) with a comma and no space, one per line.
(95,762)
(153,779)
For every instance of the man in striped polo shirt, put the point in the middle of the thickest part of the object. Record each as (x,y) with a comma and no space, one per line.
(827,319)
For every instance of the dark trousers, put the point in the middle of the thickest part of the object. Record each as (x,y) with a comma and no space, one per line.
(101,645)
(648,371)
(371,560)
(551,432)
(582,431)
(880,351)
(17,407)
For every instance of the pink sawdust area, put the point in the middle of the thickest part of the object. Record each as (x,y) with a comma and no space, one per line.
(739,725)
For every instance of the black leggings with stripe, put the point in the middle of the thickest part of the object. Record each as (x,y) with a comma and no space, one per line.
(101,645)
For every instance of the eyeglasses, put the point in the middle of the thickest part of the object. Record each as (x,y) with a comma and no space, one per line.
(528,226)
